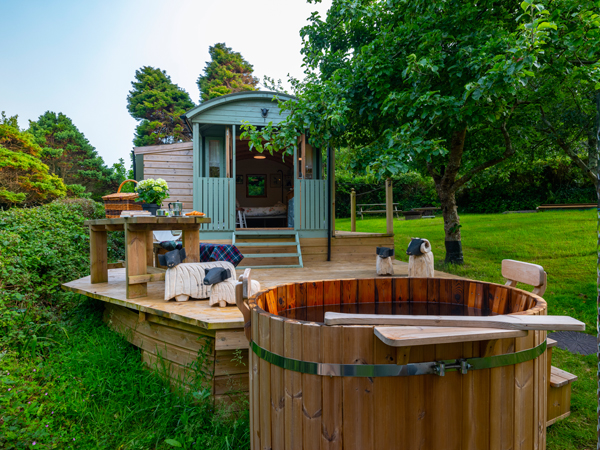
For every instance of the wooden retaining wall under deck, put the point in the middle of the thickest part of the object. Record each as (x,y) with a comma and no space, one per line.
(184,352)
(499,408)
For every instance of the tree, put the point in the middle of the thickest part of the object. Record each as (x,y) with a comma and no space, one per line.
(158,104)
(24,178)
(425,85)
(68,154)
(564,98)
(226,73)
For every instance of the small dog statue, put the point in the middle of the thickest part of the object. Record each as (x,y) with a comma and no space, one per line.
(420,261)
(384,263)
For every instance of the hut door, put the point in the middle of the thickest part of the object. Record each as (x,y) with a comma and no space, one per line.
(310,191)
(215,187)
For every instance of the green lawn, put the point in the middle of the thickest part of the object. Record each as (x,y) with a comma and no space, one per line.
(564,243)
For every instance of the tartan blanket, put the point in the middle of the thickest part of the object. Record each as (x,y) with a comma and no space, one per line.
(219,252)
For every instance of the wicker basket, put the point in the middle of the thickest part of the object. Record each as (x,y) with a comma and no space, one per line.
(121,201)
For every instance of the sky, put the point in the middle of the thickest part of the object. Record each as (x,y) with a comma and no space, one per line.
(80,57)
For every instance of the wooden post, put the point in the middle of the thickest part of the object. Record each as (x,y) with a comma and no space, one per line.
(135,260)
(389,213)
(352,210)
(331,173)
(149,248)
(191,243)
(98,255)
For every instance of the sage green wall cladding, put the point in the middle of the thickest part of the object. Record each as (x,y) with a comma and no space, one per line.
(215,197)
(313,207)
(237,108)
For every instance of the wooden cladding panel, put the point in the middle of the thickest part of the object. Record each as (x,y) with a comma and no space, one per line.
(171,349)
(168,148)
(313,208)
(159,165)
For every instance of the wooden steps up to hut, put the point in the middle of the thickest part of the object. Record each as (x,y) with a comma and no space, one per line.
(268,249)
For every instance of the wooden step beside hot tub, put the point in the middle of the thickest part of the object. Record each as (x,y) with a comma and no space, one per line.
(296,403)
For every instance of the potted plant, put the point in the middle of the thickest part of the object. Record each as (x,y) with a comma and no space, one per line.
(152,193)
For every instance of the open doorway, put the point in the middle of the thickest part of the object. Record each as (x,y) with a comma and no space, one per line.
(264,188)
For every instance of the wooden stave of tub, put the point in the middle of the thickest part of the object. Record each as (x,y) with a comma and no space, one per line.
(500,408)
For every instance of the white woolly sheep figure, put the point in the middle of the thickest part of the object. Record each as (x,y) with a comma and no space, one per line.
(187,280)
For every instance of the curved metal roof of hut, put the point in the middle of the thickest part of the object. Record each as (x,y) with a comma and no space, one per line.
(256,107)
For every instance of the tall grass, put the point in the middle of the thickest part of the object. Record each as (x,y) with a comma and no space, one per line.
(92,392)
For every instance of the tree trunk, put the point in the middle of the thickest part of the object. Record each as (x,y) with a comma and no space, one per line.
(446,186)
(454,254)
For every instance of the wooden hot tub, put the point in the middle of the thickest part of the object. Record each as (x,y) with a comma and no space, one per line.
(349,401)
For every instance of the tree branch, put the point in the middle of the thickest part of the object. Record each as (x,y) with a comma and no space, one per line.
(434,174)
(508,152)
(568,150)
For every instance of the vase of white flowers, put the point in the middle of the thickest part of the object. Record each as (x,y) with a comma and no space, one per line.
(152,193)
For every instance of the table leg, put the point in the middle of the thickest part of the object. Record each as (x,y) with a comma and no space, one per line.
(191,243)
(135,261)
(98,255)
(149,248)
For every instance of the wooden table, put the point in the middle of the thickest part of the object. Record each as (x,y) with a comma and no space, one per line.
(139,247)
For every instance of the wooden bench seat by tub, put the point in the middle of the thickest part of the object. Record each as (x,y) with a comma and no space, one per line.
(559,390)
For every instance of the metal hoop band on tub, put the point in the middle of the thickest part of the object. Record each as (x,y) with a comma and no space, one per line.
(462,365)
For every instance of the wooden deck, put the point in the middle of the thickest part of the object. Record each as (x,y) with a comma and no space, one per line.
(199,314)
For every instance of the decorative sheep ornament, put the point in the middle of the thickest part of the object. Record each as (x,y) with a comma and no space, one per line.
(420,261)
(384,263)
(187,280)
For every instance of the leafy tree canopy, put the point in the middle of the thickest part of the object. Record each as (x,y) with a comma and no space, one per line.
(226,73)
(24,178)
(69,155)
(158,104)
(435,86)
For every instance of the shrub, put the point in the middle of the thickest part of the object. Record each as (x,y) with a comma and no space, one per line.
(506,187)
(410,190)
(41,248)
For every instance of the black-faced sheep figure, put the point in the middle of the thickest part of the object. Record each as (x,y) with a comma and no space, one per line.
(384,263)
(420,261)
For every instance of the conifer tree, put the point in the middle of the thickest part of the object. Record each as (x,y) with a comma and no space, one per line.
(68,154)
(226,73)
(158,104)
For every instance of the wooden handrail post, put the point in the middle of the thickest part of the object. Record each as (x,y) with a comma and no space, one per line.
(352,210)
(389,201)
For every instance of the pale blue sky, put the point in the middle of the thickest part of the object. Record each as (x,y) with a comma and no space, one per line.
(79,57)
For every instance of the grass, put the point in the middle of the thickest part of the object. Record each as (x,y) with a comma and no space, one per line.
(91,391)
(564,243)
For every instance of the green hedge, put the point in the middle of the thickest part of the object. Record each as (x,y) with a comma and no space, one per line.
(410,190)
(500,189)
(41,248)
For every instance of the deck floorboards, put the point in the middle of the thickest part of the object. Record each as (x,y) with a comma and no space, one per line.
(199,313)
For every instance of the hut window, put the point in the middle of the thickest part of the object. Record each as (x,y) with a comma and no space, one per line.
(256,185)
(214,158)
